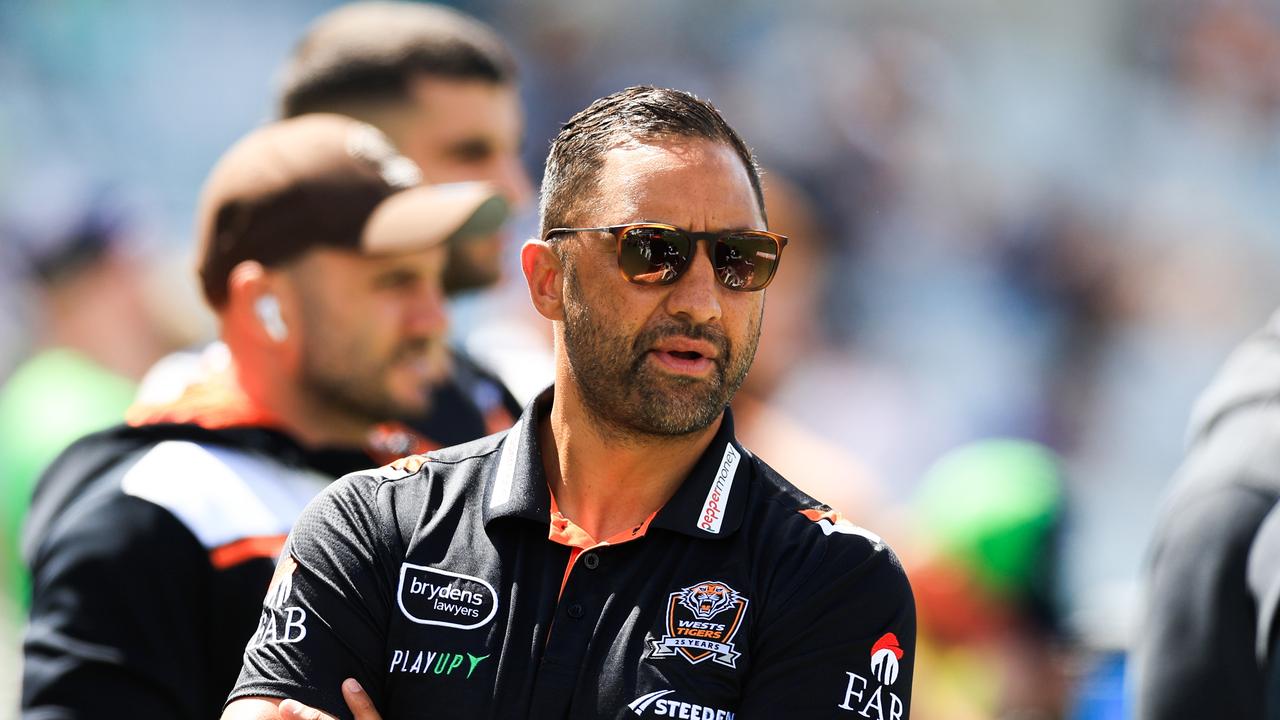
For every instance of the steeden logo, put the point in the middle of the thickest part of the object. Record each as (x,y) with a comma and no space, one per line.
(718,497)
(642,703)
(675,708)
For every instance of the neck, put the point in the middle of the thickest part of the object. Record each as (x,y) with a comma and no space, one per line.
(312,423)
(607,481)
(318,426)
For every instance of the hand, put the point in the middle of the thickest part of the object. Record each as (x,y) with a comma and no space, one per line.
(357,701)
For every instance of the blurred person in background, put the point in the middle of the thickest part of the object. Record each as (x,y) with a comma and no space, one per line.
(984,566)
(97,332)
(151,544)
(815,464)
(442,86)
(1207,642)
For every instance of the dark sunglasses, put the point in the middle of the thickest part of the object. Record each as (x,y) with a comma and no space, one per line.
(658,254)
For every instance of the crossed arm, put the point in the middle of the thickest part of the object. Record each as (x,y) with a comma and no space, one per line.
(262,708)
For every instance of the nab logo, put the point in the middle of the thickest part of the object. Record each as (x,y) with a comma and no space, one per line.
(885,655)
(880,703)
(280,623)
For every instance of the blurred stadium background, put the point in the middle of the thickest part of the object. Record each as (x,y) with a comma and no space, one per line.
(1040,221)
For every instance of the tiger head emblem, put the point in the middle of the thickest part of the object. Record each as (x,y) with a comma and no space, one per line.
(708,599)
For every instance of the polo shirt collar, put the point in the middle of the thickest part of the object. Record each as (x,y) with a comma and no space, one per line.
(712,499)
(709,503)
(519,487)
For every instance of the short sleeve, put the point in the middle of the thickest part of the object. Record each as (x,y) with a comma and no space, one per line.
(842,643)
(326,610)
(120,595)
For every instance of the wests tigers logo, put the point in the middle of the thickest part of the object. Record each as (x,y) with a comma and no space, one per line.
(701,622)
(708,599)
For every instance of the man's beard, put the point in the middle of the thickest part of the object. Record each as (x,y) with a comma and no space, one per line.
(623,390)
(361,393)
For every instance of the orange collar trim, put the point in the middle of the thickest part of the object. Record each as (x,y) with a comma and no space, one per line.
(215,402)
(565,532)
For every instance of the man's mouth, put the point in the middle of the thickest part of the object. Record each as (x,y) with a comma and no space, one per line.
(685,356)
(425,362)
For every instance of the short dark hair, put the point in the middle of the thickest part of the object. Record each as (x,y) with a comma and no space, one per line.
(637,113)
(368,52)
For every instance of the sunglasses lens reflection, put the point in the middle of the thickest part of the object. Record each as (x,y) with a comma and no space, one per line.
(745,261)
(653,256)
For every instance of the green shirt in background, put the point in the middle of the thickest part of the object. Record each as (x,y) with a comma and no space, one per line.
(51,400)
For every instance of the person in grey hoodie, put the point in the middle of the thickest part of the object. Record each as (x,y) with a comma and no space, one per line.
(1205,645)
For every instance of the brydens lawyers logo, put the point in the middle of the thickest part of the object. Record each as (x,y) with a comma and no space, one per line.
(430,596)
(885,655)
(701,622)
(718,497)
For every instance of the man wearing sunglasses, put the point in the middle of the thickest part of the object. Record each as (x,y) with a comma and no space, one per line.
(617,553)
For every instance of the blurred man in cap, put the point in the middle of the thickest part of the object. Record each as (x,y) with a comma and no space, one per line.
(442,86)
(321,254)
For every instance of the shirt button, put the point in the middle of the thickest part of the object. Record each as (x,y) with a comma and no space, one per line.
(591,560)
(575,611)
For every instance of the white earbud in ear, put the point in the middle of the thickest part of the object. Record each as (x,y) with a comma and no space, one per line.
(267,308)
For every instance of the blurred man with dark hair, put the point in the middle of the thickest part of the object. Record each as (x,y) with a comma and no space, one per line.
(618,553)
(150,544)
(440,84)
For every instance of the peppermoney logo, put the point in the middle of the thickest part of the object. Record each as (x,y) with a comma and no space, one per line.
(435,662)
(718,497)
(430,596)
(702,621)
(675,708)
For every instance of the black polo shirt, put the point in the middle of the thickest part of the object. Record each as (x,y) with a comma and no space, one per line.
(444,586)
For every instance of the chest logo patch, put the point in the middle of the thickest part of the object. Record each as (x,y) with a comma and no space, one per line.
(701,622)
(430,596)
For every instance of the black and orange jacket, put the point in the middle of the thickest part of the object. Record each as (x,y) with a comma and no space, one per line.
(451,587)
(151,544)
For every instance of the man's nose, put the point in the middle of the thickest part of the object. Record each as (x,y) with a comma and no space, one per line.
(427,312)
(514,184)
(696,295)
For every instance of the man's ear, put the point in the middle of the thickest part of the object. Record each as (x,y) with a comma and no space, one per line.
(255,303)
(544,272)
